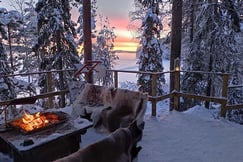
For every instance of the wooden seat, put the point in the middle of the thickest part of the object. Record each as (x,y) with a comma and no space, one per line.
(110,108)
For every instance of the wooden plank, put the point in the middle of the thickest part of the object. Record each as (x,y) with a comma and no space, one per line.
(232,107)
(44,95)
(224,94)
(199,97)
(204,72)
(235,86)
(224,85)
(154,87)
(138,72)
(116,79)
(223,109)
(160,98)
(34,73)
(177,89)
(49,89)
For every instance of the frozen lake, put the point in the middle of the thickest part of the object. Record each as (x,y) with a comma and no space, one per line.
(127,61)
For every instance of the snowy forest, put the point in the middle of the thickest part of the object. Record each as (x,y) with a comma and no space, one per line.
(40,36)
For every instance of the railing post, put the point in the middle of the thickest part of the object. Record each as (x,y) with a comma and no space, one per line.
(154,80)
(176,83)
(116,79)
(224,94)
(223,109)
(225,85)
(49,88)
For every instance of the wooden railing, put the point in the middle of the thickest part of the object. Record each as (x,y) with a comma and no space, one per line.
(153,98)
(236,106)
(49,81)
(176,94)
(44,95)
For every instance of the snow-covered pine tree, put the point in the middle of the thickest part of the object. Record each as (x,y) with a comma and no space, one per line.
(235,95)
(190,9)
(151,54)
(28,32)
(13,21)
(239,8)
(6,84)
(56,46)
(103,50)
(213,49)
(191,60)
(136,17)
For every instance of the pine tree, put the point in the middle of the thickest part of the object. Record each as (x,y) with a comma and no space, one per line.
(13,21)
(25,60)
(213,49)
(56,45)
(103,50)
(235,95)
(29,36)
(151,54)
(192,59)
(7,90)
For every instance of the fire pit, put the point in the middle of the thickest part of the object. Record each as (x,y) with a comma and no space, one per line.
(31,123)
(43,137)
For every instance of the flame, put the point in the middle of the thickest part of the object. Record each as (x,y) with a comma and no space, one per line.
(32,122)
(35,121)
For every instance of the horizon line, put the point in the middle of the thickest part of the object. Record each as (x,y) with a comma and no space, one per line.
(122,51)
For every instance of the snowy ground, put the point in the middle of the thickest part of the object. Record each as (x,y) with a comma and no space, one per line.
(192,136)
(196,135)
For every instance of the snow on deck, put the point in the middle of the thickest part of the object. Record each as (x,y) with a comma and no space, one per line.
(191,136)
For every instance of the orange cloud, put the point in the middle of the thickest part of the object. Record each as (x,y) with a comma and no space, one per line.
(124,40)
(126,46)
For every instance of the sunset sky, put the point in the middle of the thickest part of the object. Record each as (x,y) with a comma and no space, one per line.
(118,13)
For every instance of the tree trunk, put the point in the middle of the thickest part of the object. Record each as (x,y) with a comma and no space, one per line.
(60,66)
(175,40)
(87,37)
(209,85)
(210,66)
(10,47)
(192,4)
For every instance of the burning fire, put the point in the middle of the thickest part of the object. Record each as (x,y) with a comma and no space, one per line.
(32,122)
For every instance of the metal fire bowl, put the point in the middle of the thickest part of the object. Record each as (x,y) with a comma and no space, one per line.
(62,117)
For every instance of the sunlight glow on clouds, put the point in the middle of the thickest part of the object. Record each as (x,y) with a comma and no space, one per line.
(125,41)
(118,13)
(126,46)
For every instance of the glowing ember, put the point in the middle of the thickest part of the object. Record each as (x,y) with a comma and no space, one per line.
(32,122)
